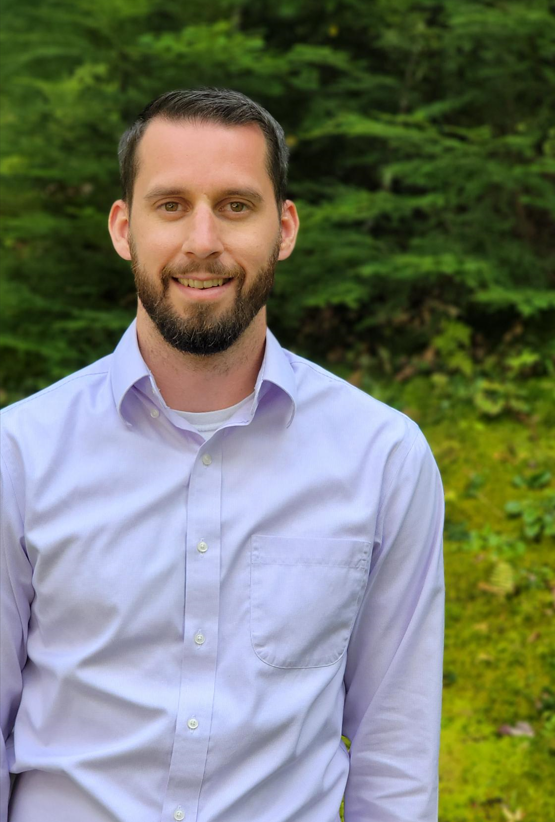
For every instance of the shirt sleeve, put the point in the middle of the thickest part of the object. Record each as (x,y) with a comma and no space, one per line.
(16,593)
(393,676)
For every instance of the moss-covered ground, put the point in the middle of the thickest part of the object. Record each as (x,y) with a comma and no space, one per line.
(498,739)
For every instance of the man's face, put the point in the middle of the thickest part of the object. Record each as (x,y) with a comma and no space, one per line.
(204,214)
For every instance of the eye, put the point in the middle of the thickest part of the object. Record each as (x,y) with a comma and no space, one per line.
(170,207)
(237,207)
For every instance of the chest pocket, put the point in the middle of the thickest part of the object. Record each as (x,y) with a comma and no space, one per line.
(305,595)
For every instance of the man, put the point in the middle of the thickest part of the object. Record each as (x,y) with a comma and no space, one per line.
(217,557)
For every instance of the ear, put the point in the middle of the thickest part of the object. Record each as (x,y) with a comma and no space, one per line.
(289,229)
(118,226)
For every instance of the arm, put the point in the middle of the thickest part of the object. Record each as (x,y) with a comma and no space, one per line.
(393,676)
(16,593)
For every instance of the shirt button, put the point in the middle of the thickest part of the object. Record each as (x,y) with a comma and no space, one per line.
(199,639)
(206,459)
(178,814)
(202,547)
(193,724)
(154,413)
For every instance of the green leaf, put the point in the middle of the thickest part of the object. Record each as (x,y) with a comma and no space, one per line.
(539,480)
(513,508)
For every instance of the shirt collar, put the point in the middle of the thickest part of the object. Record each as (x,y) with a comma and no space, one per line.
(128,368)
(277,370)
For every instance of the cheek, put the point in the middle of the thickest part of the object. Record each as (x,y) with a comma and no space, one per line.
(156,244)
(262,253)
(256,248)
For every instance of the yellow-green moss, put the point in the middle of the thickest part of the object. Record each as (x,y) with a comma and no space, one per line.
(499,649)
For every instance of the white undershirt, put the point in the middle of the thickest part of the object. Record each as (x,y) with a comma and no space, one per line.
(208,422)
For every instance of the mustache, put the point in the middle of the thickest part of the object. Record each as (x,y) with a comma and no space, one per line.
(213,267)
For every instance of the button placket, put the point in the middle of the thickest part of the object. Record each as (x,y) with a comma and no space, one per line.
(202,602)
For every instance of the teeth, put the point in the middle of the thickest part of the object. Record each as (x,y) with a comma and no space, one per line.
(201,283)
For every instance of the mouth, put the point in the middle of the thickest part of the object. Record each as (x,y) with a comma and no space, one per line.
(202,284)
(203,289)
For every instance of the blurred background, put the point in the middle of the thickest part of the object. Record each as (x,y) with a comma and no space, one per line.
(422,139)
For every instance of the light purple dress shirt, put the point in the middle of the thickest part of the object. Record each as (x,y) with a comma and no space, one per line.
(189,626)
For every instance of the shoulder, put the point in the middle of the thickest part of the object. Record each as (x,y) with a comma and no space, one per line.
(357,412)
(65,388)
(46,411)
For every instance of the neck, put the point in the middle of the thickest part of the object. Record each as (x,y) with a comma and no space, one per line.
(189,382)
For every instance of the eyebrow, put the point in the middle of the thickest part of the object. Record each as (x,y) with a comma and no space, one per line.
(247,193)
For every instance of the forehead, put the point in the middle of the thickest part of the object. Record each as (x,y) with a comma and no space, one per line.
(201,156)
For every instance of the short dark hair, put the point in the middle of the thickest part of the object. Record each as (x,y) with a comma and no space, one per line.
(202,105)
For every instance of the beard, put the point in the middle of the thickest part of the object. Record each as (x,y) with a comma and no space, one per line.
(204,329)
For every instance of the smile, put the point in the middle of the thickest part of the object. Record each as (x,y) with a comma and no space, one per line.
(202,283)
(207,290)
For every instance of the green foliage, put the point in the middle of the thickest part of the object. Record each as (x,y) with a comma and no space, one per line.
(453,345)
(537,479)
(461,372)
(537,516)
(496,546)
(493,398)
(423,158)
(490,398)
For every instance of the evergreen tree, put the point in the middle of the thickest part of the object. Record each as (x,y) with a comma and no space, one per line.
(422,161)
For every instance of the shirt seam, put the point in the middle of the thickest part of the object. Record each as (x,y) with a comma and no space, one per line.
(334,378)
(56,387)
(322,373)
(308,562)
(8,474)
(14,595)
(386,493)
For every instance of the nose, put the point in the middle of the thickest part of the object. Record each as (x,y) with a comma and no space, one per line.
(203,238)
